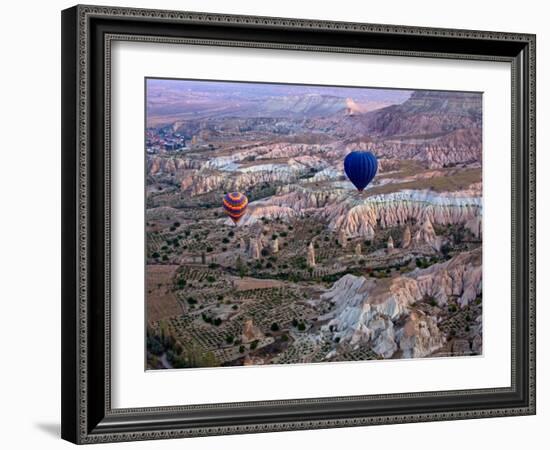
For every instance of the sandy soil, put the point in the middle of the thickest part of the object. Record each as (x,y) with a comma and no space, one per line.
(161,301)
(246,283)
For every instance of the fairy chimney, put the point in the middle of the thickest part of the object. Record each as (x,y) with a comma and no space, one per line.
(254,249)
(342,239)
(311,255)
(406,241)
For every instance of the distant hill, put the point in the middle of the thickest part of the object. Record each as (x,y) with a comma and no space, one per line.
(170,101)
(425,113)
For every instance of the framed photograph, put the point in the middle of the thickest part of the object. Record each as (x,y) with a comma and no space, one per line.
(281,224)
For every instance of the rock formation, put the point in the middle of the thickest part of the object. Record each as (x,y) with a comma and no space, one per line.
(342,239)
(360,217)
(275,245)
(390,243)
(390,210)
(251,332)
(419,336)
(311,255)
(369,232)
(258,210)
(358,249)
(203,182)
(426,235)
(367,310)
(157,164)
(254,248)
(406,240)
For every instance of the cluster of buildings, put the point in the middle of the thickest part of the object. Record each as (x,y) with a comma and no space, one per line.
(164,140)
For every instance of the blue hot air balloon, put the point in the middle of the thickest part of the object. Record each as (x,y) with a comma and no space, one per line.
(360,167)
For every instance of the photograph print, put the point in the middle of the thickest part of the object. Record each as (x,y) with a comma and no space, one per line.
(295,224)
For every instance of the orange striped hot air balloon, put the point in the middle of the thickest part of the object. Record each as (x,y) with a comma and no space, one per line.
(235,205)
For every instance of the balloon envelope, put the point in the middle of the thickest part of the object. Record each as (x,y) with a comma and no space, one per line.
(360,167)
(235,205)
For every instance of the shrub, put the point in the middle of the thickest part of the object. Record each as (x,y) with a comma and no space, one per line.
(274,327)
(241,349)
(155,346)
(253,345)
(301,326)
